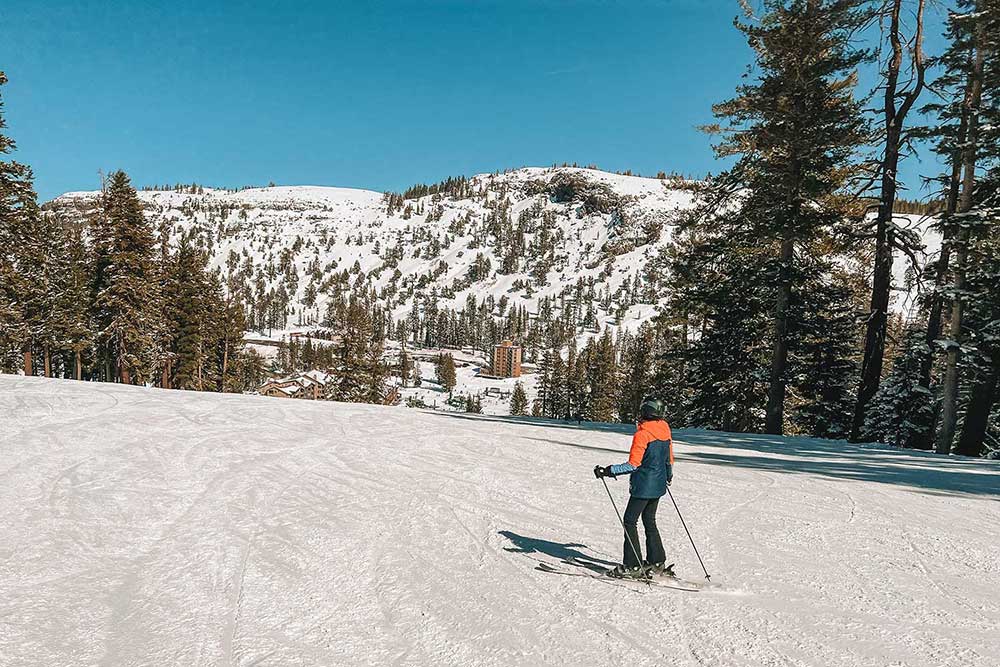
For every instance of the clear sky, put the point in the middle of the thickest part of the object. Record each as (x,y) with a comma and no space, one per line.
(378,95)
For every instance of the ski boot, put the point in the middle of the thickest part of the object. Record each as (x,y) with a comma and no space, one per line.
(621,572)
(662,570)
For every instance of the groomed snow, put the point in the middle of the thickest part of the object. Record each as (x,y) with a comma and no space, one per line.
(150,527)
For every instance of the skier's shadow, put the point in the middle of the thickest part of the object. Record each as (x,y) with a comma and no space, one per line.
(567,553)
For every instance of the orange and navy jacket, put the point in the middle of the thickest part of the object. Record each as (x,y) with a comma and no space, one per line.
(650,461)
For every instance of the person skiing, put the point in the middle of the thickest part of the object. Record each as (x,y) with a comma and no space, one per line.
(650,464)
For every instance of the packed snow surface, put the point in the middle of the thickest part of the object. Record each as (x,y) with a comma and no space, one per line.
(152,527)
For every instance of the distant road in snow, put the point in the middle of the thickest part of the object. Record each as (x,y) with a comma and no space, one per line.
(152,527)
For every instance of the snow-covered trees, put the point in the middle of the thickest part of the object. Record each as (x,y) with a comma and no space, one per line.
(901,86)
(359,372)
(18,214)
(958,318)
(125,294)
(92,298)
(900,412)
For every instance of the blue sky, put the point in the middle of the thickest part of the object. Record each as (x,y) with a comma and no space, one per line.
(377,95)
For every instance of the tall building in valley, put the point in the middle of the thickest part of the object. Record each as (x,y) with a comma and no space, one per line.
(507,360)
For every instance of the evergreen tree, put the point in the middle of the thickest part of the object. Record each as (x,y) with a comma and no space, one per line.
(71,330)
(18,210)
(899,89)
(359,372)
(602,379)
(637,364)
(823,355)
(519,401)
(977,61)
(557,387)
(445,373)
(252,370)
(898,415)
(794,130)
(405,366)
(125,304)
(189,310)
(722,291)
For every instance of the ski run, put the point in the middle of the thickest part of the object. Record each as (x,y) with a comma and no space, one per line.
(149,527)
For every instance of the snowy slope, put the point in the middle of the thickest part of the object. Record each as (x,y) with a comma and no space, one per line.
(337,227)
(332,228)
(143,526)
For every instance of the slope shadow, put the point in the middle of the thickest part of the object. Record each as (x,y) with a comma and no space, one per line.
(923,471)
(568,553)
(538,421)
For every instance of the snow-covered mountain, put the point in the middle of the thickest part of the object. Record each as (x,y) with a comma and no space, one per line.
(520,236)
(144,526)
(453,242)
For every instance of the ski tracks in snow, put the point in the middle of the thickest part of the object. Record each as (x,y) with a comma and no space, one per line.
(142,526)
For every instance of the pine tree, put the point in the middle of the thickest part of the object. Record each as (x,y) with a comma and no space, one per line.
(405,366)
(252,370)
(125,304)
(557,387)
(445,373)
(823,355)
(519,401)
(189,310)
(899,413)
(359,372)
(602,379)
(637,364)
(71,330)
(982,326)
(795,131)
(900,89)
(976,33)
(18,209)
(720,288)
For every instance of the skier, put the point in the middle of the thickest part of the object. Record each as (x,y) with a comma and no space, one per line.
(650,463)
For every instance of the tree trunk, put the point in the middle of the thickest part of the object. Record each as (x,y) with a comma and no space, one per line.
(28,366)
(875,331)
(47,357)
(977,413)
(949,400)
(78,360)
(775,414)
(125,375)
(926,441)
(225,363)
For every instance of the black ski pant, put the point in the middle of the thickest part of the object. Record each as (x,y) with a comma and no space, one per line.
(646,508)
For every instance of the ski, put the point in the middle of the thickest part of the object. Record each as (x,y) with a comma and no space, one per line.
(666,575)
(660,582)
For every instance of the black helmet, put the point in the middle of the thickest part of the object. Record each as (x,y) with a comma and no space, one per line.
(652,408)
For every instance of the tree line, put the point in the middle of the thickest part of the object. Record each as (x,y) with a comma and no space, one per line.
(790,251)
(112,299)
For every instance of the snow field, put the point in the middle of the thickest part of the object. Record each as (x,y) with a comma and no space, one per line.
(145,526)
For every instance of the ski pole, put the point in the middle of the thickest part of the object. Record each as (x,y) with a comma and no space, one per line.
(628,537)
(683,523)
